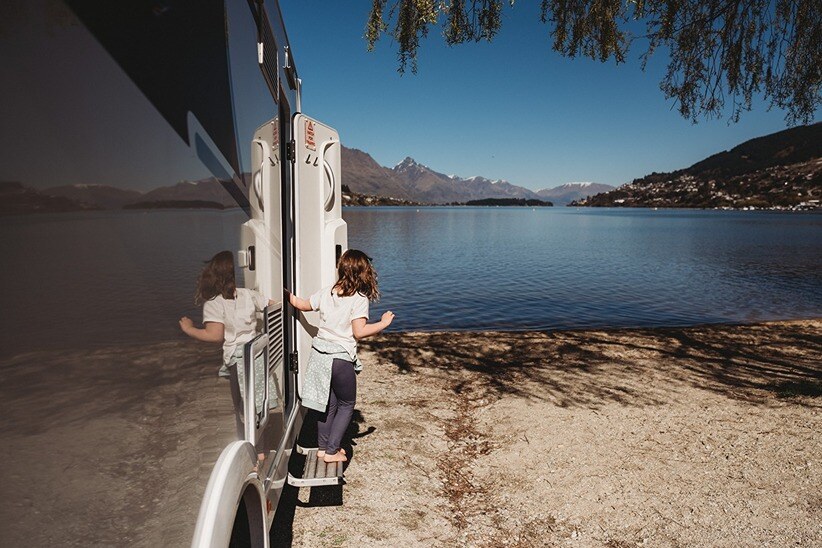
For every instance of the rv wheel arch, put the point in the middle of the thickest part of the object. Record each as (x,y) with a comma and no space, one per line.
(233,509)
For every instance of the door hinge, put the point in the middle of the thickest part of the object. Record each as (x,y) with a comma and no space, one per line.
(293,364)
(289,150)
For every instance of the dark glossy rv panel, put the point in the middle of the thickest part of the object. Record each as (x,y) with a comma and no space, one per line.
(127,142)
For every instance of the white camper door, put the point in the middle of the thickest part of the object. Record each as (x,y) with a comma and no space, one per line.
(261,258)
(321,234)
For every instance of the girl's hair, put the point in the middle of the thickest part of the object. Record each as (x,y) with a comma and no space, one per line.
(356,275)
(217,278)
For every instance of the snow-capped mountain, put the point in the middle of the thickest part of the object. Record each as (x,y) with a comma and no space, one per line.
(411,180)
(431,186)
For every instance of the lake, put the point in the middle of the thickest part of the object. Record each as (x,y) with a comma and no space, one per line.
(96,278)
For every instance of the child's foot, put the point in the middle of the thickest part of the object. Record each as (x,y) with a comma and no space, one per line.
(339,456)
(321,453)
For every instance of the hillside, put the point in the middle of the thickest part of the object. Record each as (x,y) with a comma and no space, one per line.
(363,175)
(778,171)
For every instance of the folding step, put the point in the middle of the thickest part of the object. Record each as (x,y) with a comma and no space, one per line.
(316,471)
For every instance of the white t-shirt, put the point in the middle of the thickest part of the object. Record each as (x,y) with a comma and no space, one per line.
(336,315)
(238,315)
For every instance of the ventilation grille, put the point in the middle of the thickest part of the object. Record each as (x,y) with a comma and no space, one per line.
(274,329)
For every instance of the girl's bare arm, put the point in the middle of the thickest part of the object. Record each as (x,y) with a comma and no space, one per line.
(298,303)
(363,329)
(212,332)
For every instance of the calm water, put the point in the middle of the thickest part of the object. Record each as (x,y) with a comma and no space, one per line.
(76,280)
(556,268)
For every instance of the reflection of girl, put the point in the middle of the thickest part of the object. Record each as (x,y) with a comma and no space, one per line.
(229,313)
(330,384)
(230,316)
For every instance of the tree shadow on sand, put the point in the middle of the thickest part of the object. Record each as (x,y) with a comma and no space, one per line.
(636,367)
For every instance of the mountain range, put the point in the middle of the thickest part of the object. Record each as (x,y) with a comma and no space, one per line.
(782,170)
(411,180)
(408,182)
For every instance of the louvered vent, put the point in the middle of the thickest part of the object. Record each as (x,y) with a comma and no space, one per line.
(274,329)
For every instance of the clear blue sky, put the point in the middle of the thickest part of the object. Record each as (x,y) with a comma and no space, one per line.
(513,109)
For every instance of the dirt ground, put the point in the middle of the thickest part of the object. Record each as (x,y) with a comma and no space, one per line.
(705,436)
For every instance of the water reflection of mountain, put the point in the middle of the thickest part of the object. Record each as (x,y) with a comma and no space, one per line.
(205,193)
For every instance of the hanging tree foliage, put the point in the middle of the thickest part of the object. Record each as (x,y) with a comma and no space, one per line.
(721,52)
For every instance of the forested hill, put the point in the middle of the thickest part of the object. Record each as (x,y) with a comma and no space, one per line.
(779,171)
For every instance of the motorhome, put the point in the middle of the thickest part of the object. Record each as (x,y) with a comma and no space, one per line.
(120,120)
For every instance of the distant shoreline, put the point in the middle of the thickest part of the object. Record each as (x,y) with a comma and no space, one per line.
(785,209)
(9,215)
(591,208)
(172,208)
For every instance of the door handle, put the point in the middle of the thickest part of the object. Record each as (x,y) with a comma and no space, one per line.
(326,170)
(257,176)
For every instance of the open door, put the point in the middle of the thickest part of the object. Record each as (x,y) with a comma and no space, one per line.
(261,258)
(321,233)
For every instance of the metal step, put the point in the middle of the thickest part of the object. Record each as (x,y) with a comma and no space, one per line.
(316,471)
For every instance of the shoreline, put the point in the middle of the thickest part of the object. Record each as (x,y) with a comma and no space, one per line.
(101,347)
(603,329)
(13,215)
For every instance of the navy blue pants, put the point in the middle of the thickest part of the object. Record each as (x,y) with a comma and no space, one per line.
(334,422)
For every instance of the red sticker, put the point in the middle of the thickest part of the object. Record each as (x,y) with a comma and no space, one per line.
(309,135)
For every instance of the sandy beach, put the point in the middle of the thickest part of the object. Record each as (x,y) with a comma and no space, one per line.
(704,436)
